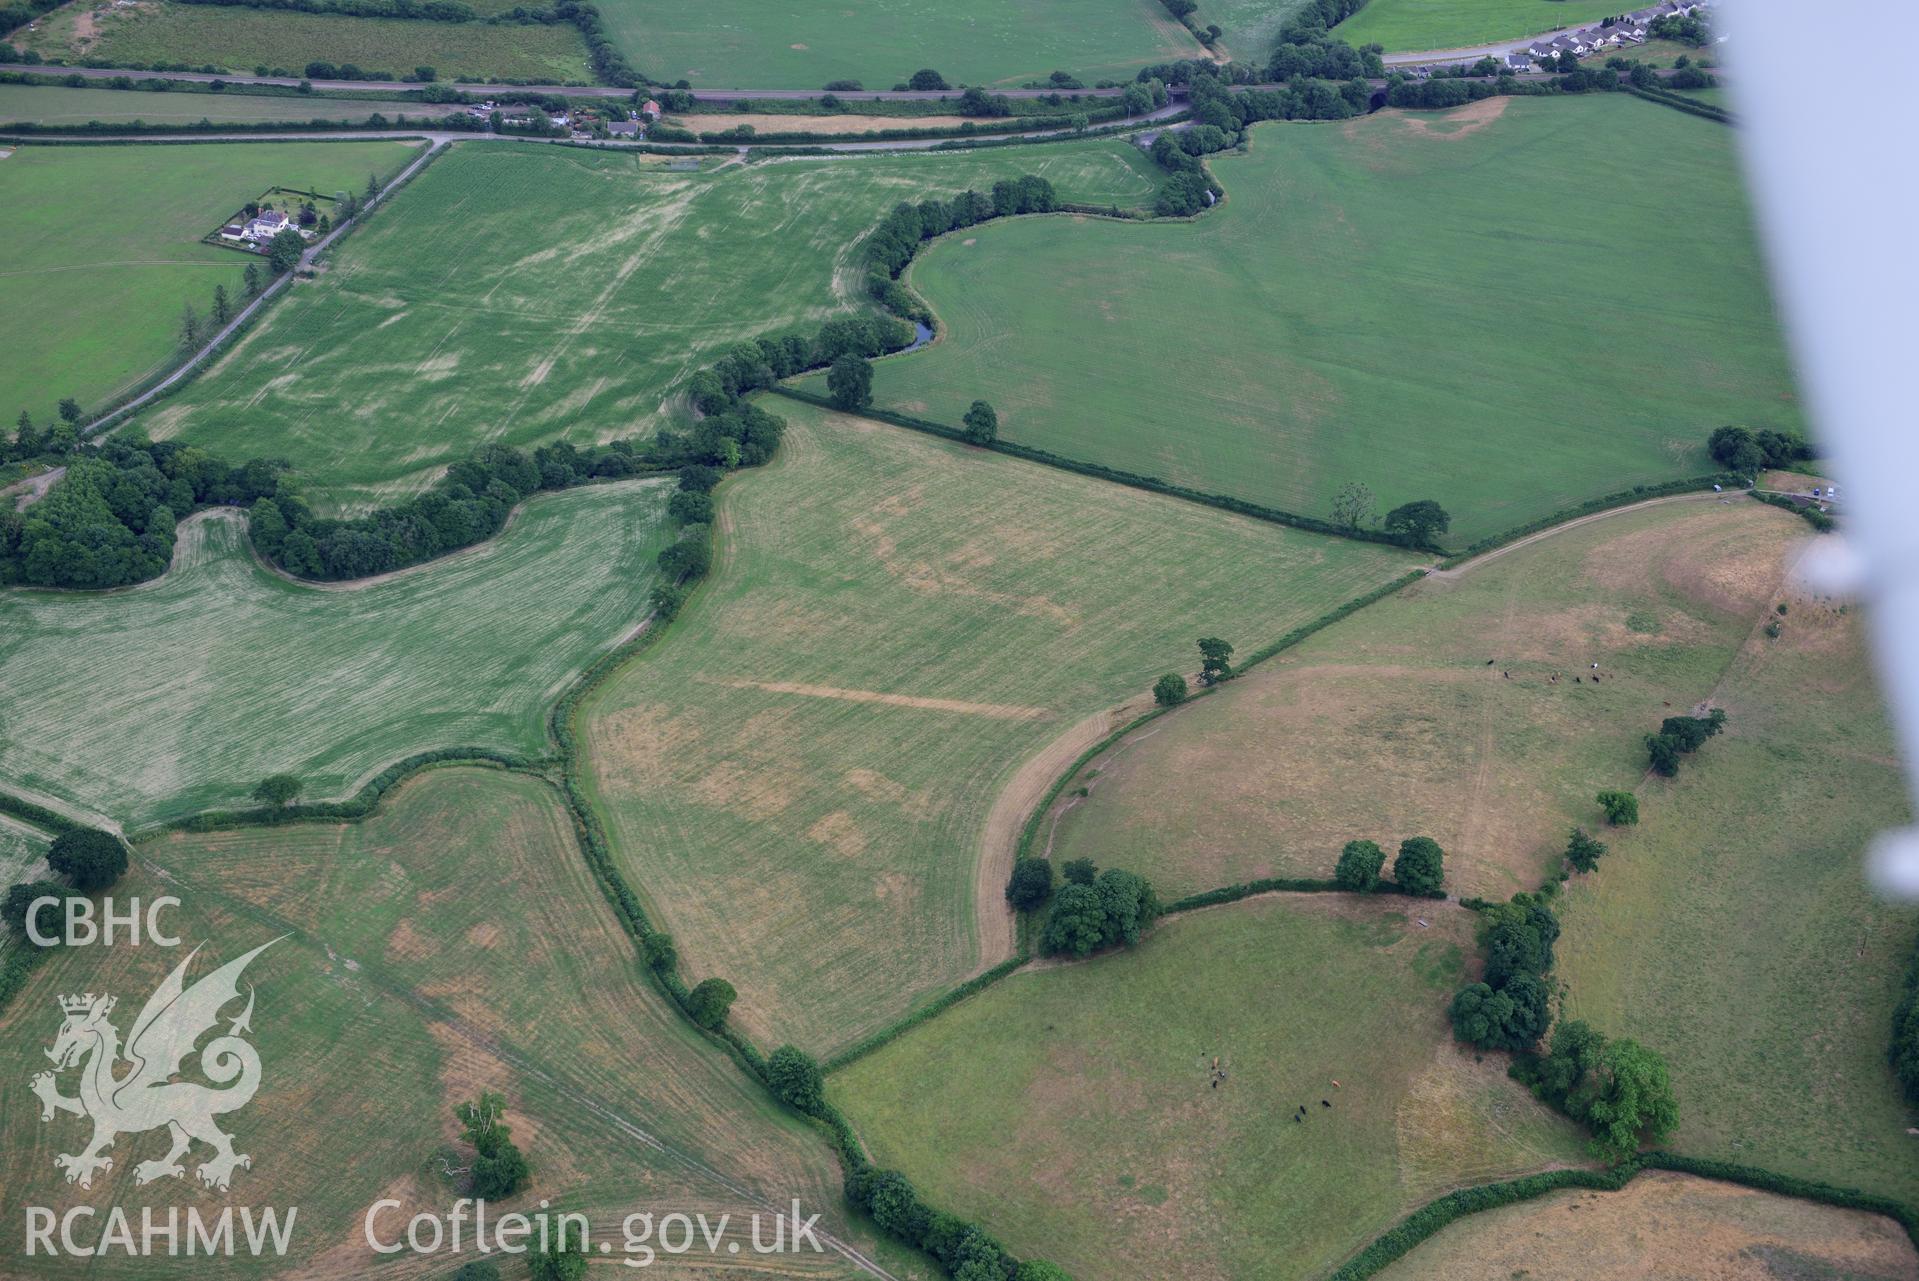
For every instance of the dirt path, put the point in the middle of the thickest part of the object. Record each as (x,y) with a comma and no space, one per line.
(1007,819)
(1441,575)
(25,493)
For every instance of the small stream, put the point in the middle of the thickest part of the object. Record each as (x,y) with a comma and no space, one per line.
(922,334)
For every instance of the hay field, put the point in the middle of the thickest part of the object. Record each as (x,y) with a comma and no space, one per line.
(518,293)
(1390,723)
(1413,25)
(1069,1107)
(451,944)
(799,775)
(241,40)
(21,849)
(1733,930)
(1436,306)
(762,44)
(99,298)
(1664,1225)
(180,695)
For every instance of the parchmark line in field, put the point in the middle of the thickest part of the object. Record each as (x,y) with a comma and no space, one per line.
(999,711)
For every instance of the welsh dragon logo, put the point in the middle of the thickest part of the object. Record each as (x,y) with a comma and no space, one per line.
(148,1097)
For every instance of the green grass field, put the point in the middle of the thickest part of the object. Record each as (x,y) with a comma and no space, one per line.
(107,295)
(1457,24)
(1370,305)
(1733,932)
(1663,1224)
(1390,723)
(240,40)
(770,44)
(801,776)
(60,105)
(1070,1110)
(198,685)
(516,293)
(453,943)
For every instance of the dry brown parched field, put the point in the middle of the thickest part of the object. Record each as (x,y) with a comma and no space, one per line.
(799,775)
(1070,1108)
(453,943)
(1665,1225)
(1392,723)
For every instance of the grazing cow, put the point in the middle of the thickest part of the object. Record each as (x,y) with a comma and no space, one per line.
(1325,1103)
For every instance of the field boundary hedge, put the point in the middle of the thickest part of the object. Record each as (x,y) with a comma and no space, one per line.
(354,808)
(45,135)
(1132,480)
(938,1005)
(1819,520)
(36,815)
(1679,102)
(1430,1218)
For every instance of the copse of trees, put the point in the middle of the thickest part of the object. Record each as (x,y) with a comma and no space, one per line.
(1679,736)
(472,501)
(1738,449)
(499,1168)
(1510,1007)
(1620,1090)
(1306,49)
(110,520)
(1091,911)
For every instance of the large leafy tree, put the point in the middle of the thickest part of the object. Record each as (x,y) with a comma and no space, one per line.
(91,859)
(1421,865)
(709,1002)
(1418,524)
(1359,866)
(850,382)
(1633,1100)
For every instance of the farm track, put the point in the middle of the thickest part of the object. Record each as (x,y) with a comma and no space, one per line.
(1465,567)
(25,493)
